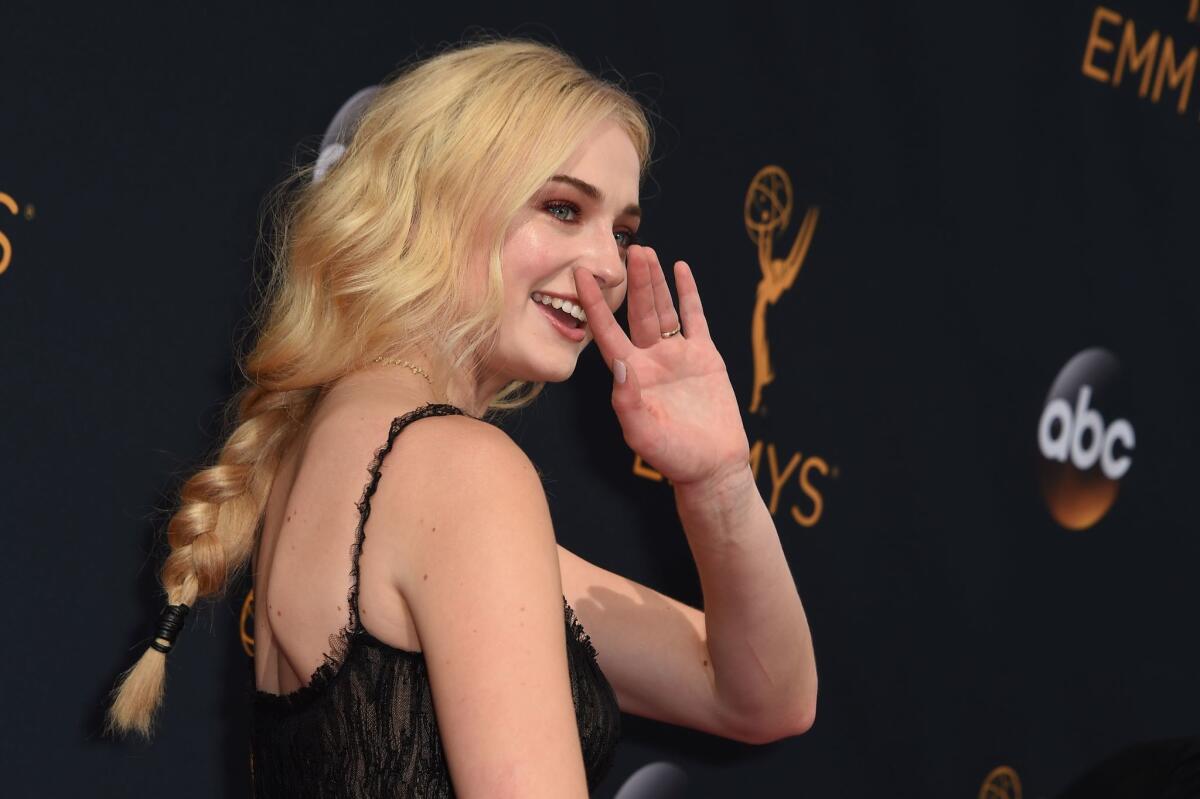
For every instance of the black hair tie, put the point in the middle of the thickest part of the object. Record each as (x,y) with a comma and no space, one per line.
(170,622)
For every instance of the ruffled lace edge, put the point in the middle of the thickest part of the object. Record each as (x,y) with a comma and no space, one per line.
(578,632)
(340,641)
(340,644)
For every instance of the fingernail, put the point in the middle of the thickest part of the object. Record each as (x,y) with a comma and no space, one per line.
(619,371)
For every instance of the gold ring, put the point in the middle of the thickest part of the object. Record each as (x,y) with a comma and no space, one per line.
(673,332)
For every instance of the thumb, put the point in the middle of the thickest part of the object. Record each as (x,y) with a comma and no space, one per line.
(627,391)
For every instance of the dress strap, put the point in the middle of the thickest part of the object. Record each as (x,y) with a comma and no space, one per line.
(364,504)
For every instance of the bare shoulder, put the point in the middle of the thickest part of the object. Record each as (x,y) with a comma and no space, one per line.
(439,472)
(483,586)
(345,436)
(460,486)
(455,466)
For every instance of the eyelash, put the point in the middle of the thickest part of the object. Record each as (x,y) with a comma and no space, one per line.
(554,205)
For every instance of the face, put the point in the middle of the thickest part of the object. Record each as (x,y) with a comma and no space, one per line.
(586,215)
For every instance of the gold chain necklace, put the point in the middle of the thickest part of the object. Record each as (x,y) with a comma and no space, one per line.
(415,369)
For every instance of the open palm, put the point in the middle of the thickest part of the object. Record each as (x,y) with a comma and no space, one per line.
(676,407)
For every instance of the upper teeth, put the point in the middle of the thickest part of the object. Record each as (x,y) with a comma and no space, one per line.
(562,305)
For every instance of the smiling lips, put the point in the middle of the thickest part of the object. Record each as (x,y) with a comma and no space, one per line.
(563,322)
(568,305)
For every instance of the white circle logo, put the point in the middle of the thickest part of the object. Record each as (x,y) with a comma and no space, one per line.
(1086,446)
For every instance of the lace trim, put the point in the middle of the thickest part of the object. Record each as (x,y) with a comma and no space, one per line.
(342,644)
(340,641)
(577,631)
(364,504)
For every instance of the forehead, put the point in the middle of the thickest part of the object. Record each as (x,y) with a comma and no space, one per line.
(606,158)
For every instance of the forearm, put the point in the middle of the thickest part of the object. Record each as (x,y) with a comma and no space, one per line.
(758,636)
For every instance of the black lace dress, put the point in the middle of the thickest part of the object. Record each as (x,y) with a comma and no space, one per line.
(364,726)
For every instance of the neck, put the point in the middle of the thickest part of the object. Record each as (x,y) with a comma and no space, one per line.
(443,386)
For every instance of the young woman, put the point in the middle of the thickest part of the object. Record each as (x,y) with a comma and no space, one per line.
(477,233)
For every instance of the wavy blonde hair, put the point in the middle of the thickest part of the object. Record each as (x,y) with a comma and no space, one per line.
(373,260)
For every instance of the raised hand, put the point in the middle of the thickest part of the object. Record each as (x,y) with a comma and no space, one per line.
(676,406)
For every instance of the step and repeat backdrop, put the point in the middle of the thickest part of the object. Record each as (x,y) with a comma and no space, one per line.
(949,254)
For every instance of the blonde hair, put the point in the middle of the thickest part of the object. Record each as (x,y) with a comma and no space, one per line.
(373,260)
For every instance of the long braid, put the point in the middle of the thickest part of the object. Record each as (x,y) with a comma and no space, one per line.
(212,534)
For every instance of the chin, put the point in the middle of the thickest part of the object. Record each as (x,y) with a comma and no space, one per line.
(556,367)
(561,375)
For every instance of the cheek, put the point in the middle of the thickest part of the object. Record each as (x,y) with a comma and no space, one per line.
(477,277)
(525,261)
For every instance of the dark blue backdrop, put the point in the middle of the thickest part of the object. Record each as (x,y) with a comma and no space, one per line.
(996,195)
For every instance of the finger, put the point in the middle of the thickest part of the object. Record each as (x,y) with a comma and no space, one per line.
(695,325)
(627,395)
(610,338)
(668,319)
(643,319)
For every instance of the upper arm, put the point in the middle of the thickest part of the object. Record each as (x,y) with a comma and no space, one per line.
(485,594)
(653,650)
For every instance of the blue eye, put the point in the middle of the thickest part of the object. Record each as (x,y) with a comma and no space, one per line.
(631,238)
(555,207)
(568,212)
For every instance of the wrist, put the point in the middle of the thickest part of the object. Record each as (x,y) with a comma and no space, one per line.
(725,489)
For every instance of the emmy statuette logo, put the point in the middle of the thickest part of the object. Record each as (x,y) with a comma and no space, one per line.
(767,211)
(1001,783)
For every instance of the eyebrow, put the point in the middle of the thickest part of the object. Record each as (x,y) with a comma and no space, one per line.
(633,209)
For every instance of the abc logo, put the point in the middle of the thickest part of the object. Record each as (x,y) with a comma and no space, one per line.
(1086,447)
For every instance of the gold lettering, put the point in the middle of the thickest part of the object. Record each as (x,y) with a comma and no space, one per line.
(1097,42)
(1137,59)
(1179,74)
(821,466)
(6,245)
(778,479)
(643,469)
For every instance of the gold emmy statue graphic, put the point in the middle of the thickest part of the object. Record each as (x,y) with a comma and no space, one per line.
(767,212)
(1001,783)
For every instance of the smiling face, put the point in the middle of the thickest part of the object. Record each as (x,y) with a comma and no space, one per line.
(585,216)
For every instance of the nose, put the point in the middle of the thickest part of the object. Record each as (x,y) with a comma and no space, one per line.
(606,261)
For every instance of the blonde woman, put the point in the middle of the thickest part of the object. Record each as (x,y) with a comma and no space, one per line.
(416,635)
